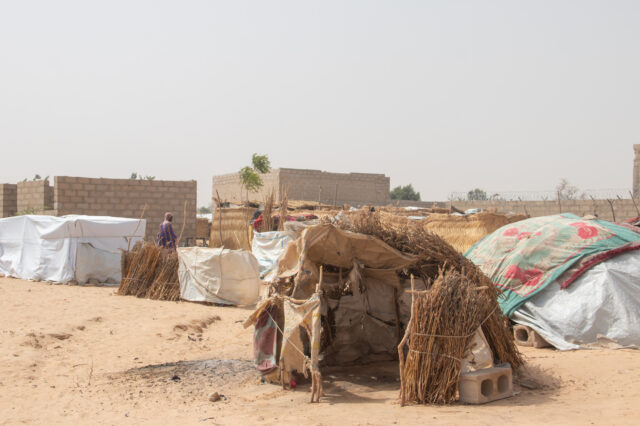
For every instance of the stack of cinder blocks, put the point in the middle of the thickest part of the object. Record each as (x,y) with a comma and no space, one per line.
(526,336)
(486,385)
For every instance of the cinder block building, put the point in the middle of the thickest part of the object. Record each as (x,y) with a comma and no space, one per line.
(356,189)
(127,198)
(107,197)
(8,199)
(34,196)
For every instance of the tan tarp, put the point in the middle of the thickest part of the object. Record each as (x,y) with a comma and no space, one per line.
(292,357)
(328,245)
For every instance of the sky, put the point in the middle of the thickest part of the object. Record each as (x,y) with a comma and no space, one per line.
(446,95)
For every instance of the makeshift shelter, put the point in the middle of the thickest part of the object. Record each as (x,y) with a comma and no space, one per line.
(230,228)
(342,297)
(67,248)
(267,247)
(574,281)
(229,277)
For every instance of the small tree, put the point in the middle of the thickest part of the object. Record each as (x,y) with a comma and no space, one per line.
(566,191)
(404,193)
(250,175)
(204,210)
(135,175)
(477,195)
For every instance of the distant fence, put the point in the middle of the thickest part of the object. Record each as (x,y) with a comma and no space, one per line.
(610,209)
(590,194)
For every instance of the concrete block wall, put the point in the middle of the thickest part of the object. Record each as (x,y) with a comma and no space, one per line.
(8,199)
(311,185)
(342,188)
(127,198)
(229,186)
(34,195)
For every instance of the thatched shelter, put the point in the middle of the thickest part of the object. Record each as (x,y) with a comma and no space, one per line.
(230,228)
(462,232)
(343,294)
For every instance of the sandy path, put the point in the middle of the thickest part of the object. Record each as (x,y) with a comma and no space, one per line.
(77,355)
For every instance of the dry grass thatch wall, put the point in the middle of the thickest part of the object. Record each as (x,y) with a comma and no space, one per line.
(150,272)
(234,224)
(462,232)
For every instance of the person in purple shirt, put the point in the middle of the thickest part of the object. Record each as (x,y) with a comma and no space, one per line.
(166,236)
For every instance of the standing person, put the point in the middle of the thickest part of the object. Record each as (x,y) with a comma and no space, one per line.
(166,236)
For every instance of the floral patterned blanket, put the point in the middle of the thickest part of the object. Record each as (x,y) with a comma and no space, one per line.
(522,258)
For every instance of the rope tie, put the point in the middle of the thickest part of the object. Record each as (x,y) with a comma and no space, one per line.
(287,339)
(434,354)
(457,337)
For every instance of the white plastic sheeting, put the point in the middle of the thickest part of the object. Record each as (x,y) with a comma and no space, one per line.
(218,275)
(602,306)
(93,264)
(45,247)
(267,248)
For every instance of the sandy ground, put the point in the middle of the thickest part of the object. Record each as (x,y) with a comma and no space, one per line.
(86,356)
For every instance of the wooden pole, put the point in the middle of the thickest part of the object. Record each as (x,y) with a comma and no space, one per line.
(184,222)
(397,314)
(613,212)
(220,217)
(559,203)
(634,203)
(144,209)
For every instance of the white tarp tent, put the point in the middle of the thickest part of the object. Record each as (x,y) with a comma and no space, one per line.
(601,307)
(267,247)
(217,275)
(67,248)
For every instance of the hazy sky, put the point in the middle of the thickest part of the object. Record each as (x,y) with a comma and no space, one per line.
(447,95)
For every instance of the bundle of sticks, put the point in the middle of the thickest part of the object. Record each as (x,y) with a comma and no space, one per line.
(151,272)
(443,322)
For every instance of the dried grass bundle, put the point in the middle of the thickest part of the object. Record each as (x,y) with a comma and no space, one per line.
(284,202)
(232,225)
(433,255)
(267,214)
(444,320)
(151,272)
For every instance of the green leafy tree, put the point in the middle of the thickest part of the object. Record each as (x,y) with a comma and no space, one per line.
(250,175)
(204,210)
(404,193)
(135,175)
(261,163)
(477,195)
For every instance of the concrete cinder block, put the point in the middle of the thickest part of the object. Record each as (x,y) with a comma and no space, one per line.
(526,336)
(482,386)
